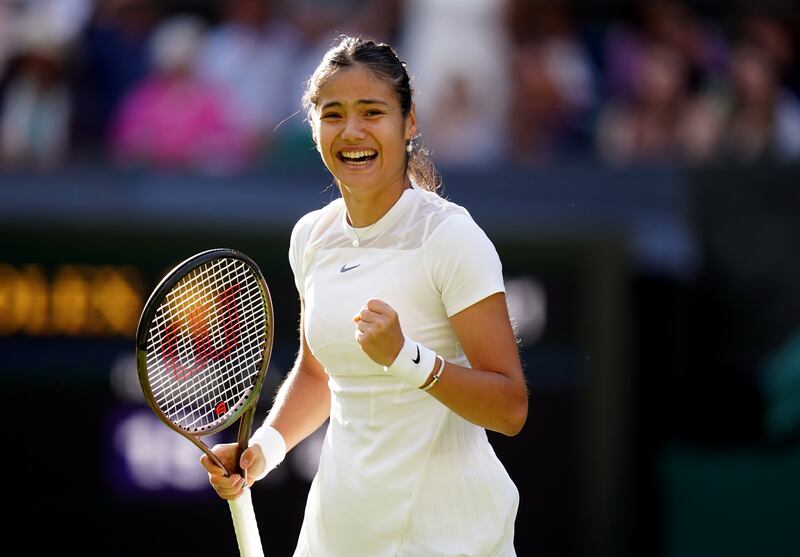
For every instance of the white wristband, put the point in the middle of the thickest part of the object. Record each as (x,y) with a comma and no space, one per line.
(413,364)
(272,445)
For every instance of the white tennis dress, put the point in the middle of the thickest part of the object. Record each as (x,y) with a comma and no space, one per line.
(400,474)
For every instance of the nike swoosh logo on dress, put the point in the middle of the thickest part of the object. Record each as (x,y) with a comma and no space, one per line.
(416,360)
(345,268)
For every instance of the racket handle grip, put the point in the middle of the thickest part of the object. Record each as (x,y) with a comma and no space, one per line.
(244,523)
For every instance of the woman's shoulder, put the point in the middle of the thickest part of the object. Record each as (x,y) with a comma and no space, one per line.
(443,216)
(317,218)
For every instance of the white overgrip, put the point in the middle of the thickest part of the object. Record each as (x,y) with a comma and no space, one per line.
(244,523)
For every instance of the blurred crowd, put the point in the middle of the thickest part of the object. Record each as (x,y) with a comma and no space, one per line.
(215,86)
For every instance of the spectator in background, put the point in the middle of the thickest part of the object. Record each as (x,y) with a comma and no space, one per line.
(322,22)
(114,58)
(249,57)
(672,23)
(461,52)
(64,19)
(657,122)
(318,23)
(174,119)
(763,118)
(36,105)
(6,24)
(380,19)
(771,30)
(554,84)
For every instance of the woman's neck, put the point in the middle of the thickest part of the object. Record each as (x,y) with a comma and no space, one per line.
(365,208)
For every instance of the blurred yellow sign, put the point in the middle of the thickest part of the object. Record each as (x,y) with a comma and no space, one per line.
(72,300)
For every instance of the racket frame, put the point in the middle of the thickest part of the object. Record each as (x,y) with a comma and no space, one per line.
(244,412)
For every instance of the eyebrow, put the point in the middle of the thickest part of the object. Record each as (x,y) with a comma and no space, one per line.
(360,101)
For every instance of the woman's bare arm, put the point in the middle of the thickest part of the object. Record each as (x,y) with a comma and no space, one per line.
(491,394)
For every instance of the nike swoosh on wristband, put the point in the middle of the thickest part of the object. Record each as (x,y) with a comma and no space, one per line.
(345,268)
(416,360)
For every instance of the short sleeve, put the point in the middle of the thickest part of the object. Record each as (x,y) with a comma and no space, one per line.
(462,263)
(298,243)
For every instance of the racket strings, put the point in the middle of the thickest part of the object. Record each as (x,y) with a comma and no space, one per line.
(223,389)
(203,394)
(205,344)
(198,389)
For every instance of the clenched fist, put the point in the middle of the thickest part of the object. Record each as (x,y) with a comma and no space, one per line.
(378,332)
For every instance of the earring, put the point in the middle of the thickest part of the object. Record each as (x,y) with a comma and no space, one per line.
(409,146)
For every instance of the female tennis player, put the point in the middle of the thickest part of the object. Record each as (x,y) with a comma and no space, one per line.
(405,341)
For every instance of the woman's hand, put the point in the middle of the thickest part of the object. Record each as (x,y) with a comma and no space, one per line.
(251,462)
(378,332)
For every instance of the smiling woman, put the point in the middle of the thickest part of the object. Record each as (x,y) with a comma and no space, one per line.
(383,97)
(361,132)
(406,468)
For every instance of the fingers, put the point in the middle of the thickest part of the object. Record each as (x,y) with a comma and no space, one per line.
(210,467)
(227,488)
(247,458)
(378,331)
(366,316)
(253,463)
(366,331)
(378,306)
(373,311)
(226,453)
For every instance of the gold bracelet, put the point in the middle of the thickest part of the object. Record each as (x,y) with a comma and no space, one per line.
(438,374)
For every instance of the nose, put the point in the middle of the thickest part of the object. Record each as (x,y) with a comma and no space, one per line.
(353,130)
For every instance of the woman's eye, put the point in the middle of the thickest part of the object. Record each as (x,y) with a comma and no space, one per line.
(372,113)
(329,116)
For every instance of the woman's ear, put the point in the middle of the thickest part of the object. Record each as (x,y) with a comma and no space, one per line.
(411,123)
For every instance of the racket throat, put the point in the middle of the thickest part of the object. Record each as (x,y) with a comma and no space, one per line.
(243,438)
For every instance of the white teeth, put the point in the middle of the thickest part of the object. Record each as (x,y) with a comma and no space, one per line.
(357,154)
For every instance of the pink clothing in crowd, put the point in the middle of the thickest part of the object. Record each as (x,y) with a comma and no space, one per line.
(178,123)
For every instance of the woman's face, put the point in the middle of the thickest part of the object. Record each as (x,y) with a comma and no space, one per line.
(360,130)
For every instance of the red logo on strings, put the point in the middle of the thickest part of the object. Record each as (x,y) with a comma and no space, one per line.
(220,408)
(197,325)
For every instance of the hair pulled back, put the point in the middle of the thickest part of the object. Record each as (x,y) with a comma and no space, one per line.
(382,61)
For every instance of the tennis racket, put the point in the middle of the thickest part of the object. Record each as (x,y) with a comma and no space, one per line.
(202,349)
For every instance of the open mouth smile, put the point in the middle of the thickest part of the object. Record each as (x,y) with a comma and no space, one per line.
(357,158)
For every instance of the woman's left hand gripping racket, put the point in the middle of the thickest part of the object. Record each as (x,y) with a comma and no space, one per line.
(202,349)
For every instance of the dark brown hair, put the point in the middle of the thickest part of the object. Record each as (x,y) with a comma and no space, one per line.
(382,61)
